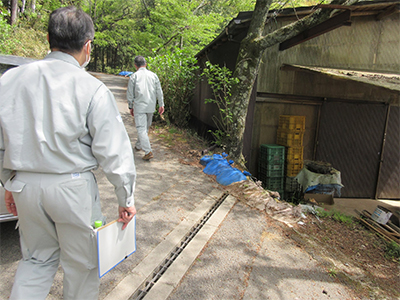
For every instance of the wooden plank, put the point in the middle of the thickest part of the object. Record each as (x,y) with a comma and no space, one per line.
(390,232)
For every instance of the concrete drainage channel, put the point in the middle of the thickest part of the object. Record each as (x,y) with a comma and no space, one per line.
(157,275)
(160,270)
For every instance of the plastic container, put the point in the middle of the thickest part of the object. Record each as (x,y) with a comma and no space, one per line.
(294,153)
(293,168)
(273,183)
(381,215)
(272,153)
(268,170)
(290,138)
(291,184)
(98,224)
(292,122)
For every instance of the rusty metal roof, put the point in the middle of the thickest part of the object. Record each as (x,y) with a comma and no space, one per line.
(384,80)
(236,26)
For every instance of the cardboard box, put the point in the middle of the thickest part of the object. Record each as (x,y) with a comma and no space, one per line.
(320,198)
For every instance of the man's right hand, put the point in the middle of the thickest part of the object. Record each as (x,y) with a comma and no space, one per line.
(10,204)
(126,214)
(131,111)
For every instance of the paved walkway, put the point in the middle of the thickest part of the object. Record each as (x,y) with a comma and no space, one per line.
(234,252)
(239,253)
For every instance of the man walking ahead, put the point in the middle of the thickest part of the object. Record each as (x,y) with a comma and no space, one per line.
(144,89)
(57,123)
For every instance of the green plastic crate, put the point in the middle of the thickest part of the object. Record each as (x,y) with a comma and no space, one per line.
(272,153)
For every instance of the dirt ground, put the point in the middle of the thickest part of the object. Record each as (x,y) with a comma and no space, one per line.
(354,254)
(351,253)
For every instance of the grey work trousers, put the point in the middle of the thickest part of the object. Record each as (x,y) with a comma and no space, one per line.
(143,122)
(56,213)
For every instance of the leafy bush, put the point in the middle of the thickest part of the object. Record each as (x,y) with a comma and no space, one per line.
(5,31)
(221,83)
(177,73)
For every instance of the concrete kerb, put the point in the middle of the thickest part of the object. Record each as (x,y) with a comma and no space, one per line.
(167,283)
(127,287)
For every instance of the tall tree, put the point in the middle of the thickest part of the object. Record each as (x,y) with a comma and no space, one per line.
(14,11)
(249,58)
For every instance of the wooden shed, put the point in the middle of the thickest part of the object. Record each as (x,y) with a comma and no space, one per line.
(342,75)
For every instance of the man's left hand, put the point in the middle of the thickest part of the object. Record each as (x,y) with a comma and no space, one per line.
(161,110)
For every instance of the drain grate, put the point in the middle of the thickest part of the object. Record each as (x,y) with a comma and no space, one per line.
(142,291)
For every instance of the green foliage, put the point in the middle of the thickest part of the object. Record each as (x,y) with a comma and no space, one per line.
(393,250)
(332,272)
(221,82)
(177,73)
(21,41)
(5,33)
(26,42)
(335,215)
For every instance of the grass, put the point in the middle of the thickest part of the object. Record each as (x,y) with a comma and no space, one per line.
(335,215)
(178,137)
(393,251)
(332,272)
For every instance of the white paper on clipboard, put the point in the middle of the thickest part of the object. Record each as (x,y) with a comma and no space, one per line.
(114,245)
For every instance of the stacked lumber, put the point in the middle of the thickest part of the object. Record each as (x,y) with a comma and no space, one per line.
(388,231)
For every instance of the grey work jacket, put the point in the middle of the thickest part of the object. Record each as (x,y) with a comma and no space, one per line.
(57,118)
(144,89)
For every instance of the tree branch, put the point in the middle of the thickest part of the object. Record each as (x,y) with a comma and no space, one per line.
(200,6)
(146,8)
(174,36)
(295,28)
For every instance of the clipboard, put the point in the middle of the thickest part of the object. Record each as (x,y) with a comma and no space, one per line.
(114,245)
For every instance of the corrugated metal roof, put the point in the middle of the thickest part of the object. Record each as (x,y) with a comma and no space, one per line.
(241,23)
(383,80)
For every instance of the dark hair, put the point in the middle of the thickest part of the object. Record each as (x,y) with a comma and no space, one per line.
(69,29)
(140,61)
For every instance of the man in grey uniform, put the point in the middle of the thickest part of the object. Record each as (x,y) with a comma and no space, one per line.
(57,123)
(144,89)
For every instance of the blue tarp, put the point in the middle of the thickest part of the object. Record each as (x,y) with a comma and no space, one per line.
(125,73)
(217,165)
(324,189)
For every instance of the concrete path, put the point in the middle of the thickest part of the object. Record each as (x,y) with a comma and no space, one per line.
(196,242)
(239,253)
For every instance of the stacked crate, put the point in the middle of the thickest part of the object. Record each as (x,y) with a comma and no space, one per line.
(271,165)
(291,134)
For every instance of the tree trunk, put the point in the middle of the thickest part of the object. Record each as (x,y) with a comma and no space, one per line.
(23,6)
(14,11)
(246,70)
(249,58)
(33,6)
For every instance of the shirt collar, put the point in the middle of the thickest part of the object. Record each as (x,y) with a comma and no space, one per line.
(63,56)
